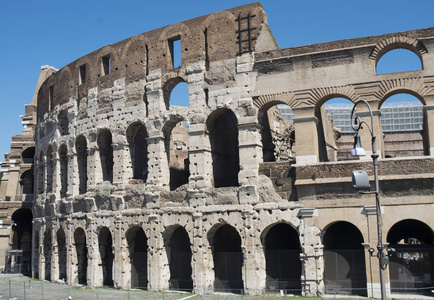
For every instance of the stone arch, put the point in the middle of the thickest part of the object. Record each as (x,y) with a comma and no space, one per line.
(80,257)
(169,82)
(61,253)
(137,135)
(105,244)
(27,182)
(413,257)
(28,155)
(47,253)
(138,256)
(282,249)
(222,125)
(178,249)
(412,86)
(63,162)
(176,143)
(22,224)
(327,135)
(177,31)
(344,259)
(81,152)
(395,42)
(104,142)
(226,243)
(114,57)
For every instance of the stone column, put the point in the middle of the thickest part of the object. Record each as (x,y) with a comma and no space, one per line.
(72,183)
(250,153)
(41,265)
(157,277)
(312,260)
(428,129)
(372,264)
(54,252)
(117,246)
(199,255)
(254,276)
(201,173)
(94,270)
(70,267)
(306,137)
(56,176)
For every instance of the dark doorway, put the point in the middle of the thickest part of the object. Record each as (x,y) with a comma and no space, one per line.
(81,255)
(344,260)
(180,261)
(22,240)
(223,134)
(412,265)
(282,255)
(228,260)
(106,155)
(105,243)
(47,254)
(138,247)
(61,252)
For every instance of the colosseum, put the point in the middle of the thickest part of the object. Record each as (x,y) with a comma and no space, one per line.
(112,183)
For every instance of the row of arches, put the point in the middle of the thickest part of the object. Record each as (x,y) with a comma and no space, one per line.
(345,268)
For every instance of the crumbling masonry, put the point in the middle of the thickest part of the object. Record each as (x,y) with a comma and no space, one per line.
(132,191)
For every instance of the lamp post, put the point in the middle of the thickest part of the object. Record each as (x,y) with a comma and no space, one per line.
(356,124)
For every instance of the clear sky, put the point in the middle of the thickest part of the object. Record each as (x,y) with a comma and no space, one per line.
(56,32)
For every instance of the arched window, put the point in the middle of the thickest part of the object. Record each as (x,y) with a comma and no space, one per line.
(61,253)
(398,60)
(105,243)
(138,247)
(335,135)
(28,155)
(136,136)
(176,146)
(277,133)
(106,154)
(81,150)
(402,121)
(175,92)
(223,135)
(63,160)
(80,256)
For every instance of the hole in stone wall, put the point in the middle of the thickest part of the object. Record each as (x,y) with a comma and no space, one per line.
(61,252)
(180,261)
(223,135)
(80,255)
(63,160)
(138,247)
(81,150)
(106,154)
(106,65)
(398,60)
(136,136)
(106,252)
(47,254)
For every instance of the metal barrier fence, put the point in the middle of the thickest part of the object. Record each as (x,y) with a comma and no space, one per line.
(20,287)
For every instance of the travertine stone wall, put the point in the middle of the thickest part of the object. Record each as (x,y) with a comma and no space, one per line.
(115,167)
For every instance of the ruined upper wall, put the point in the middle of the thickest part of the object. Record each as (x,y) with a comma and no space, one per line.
(208,38)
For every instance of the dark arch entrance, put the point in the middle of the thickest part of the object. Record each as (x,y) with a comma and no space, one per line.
(344,260)
(21,255)
(412,265)
(61,252)
(179,254)
(81,255)
(47,254)
(105,243)
(228,260)
(223,134)
(138,247)
(282,256)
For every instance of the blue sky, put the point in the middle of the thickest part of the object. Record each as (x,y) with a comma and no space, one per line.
(56,32)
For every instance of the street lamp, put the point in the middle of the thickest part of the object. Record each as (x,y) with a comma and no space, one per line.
(356,124)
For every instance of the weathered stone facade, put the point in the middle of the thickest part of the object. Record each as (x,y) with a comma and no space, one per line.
(125,196)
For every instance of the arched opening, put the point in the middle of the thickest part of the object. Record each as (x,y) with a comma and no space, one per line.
(175,93)
(179,255)
(47,254)
(40,174)
(63,160)
(81,255)
(50,169)
(81,150)
(106,155)
(398,60)
(223,135)
(36,242)
(344,260)
(228,260)
(21,255)
(63,122)
(105,243)
(27,182)
(335,134)
(138,249)
(412,264)
(282,255)
(28,155)
(277,133)
(402,122)
(61,254)
(137,140)
(176,142)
